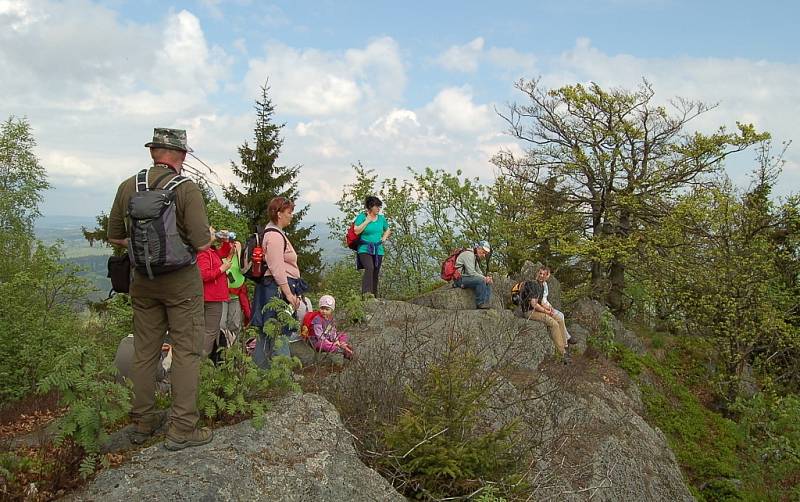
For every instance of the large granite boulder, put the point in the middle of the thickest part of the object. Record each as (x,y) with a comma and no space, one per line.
(580,427)
(303,453)
(449,298)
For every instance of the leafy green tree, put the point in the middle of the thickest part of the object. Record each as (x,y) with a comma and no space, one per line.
(617,159)
(262,179)
(22,180)
(715,269)
(352,200)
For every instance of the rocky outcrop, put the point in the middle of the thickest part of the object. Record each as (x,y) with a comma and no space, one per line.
(450,298)
(303,453)
(580,425)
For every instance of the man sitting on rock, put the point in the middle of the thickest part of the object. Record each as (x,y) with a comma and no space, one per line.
(535,309)
(471,276)
(555,313)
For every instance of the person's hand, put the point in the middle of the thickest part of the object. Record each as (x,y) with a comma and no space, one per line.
(294,301)
(226,264)
(488,279)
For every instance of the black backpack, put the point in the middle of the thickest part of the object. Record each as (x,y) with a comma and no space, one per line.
(155,246)
(252,261)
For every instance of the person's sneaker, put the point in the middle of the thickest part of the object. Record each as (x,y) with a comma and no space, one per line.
(143,429)
(484,306)
(197,437)
(571,341)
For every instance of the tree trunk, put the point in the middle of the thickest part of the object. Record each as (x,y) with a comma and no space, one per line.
(616,275)
(597,267)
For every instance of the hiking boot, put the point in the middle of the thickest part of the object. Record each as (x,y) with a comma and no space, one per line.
(144,428)
(571,341)
(197,437)
(565,358)
(484,306)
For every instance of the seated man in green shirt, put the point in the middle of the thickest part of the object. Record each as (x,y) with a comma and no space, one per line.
(471,276)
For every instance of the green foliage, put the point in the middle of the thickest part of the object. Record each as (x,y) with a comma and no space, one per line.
(37,320)
(603,338)
(489,494)
(236,387)
(220,217)
(429,215)
(753,457)
(342,281)
(10,464)
(22,181)
(614,159)
(439,444)
(719,268)
(84,380)
(262,179)
(285,318)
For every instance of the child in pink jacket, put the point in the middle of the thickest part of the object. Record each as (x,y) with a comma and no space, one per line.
(324,336)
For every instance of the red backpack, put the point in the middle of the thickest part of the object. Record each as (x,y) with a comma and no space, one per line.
(351,239)
(307,330)
(450,271)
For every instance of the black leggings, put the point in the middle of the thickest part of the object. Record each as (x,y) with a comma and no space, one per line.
(369,281)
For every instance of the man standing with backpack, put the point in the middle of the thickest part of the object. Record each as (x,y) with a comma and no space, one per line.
(161,218)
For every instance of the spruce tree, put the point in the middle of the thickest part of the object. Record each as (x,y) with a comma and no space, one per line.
(262,179)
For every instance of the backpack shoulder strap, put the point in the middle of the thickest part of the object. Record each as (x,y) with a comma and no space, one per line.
(285,241)
(174,182)
(141,180)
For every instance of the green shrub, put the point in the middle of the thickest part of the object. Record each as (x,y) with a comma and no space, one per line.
(439,444)
(85,381)
(603,339)
(237,387)
(37,320)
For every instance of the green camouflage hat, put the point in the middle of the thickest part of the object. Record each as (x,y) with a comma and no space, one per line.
(174,139)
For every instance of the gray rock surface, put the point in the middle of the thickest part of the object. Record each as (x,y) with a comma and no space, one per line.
(303,453)
(581,425)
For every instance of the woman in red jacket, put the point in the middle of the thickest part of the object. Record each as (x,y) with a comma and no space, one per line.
(215,290)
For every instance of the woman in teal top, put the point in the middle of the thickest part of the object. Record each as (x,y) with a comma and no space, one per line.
(373,230)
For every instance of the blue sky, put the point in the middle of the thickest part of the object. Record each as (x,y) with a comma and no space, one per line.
(388,84)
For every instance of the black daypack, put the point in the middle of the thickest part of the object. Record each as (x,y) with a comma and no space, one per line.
(252,261)
(517,293)
(119,271)
(155,246)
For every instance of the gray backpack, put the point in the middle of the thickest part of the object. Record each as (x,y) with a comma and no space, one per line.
(155,247)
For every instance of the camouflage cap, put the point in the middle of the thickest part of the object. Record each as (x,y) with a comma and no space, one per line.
(174,139)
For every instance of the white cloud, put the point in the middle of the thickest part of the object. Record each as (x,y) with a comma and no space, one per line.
(89,82)
(464,58)
(467,58)
(316,83)
(454,110)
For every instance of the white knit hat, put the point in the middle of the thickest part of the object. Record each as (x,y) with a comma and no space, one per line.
(327,301)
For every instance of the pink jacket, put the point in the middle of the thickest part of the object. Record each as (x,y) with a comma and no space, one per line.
(281,264)
(215,283)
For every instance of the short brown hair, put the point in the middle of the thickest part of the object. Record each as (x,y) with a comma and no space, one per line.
(276,205)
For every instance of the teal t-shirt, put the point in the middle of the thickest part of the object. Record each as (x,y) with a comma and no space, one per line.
(372,232)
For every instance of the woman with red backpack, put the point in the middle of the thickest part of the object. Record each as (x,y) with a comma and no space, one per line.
(373,231)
